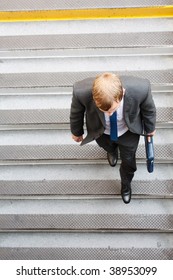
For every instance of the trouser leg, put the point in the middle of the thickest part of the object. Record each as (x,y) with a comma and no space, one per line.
(128,144)
(104,142)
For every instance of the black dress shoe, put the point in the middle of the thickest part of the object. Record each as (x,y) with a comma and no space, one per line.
(126,192)
(112,158)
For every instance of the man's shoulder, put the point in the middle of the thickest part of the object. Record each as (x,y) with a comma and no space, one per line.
(136,88)
(84,85)
(134,82)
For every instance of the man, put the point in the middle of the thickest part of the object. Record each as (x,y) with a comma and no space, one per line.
(129,102)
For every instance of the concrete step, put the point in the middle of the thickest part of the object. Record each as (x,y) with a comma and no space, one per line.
(52,70)
(95,215)
(58,145)
(77,246)
(35,109)
(81,181)
(47,72)
(28,5)
(75,64)
(58,91)
(49,109)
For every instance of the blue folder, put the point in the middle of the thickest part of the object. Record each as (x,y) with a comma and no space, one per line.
(149,148)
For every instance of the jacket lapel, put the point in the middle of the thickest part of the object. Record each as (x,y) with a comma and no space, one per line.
(127,103)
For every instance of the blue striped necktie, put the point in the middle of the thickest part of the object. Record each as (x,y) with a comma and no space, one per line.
(113,127)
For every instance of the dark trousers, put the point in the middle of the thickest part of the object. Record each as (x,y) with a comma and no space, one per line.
(127,144)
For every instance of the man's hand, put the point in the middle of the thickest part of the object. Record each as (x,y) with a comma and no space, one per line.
(77,138)
(151,134)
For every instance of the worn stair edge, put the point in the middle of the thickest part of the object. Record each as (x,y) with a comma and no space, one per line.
(51,91)
(59,116)
(159,78)
(88,189)
(71,152)
(81,43)
(85,253)
(63,126)
(92,52)
(85,222)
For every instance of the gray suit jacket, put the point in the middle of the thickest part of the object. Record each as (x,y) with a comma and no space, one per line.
(139,109)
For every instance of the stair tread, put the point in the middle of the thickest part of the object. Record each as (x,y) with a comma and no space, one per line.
(85,240)
(49,102)
(87,215)
(61,137)
(86,207)
(95,180)
(114,26)
(86,246)
(58,144)
(78,172)
(82,64)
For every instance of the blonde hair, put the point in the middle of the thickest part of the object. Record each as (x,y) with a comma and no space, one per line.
(107,88)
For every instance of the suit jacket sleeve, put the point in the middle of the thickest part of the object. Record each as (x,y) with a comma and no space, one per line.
(77,116)
(148,112)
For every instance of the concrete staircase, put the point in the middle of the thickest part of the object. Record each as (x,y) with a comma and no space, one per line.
(59,200)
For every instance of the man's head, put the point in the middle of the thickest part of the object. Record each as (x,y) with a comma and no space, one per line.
(107,92)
